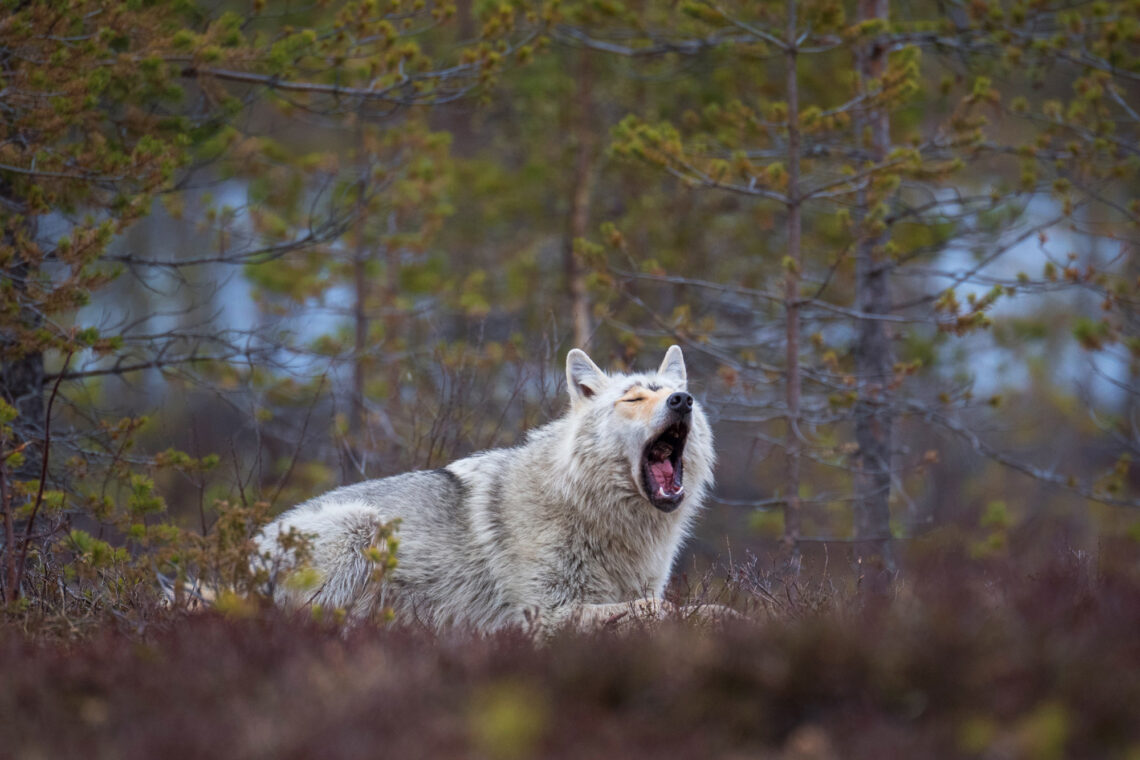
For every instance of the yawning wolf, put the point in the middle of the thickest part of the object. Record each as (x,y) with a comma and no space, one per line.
(579,524)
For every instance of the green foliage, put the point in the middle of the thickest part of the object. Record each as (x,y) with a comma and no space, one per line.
(121,104)
(1092,335)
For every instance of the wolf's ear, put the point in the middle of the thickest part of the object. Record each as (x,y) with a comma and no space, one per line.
(673,366)
(583,378)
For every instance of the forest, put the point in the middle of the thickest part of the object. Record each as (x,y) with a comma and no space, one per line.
(257,249)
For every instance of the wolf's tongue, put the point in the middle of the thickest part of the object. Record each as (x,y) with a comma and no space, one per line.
(662,472)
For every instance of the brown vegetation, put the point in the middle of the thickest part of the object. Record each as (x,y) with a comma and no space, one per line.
(969,659)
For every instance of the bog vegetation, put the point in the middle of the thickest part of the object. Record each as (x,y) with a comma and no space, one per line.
(254,250)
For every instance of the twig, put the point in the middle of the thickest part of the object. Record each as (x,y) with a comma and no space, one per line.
(20,566)
(300,442)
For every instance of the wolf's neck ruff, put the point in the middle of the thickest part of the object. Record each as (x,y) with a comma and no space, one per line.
(589,512)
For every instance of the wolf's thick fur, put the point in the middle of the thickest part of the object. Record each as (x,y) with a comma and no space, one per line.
(558,529)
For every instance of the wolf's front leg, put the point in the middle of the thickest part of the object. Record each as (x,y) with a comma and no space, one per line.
(608,615)
(598,617)
(591,617)
(625,615)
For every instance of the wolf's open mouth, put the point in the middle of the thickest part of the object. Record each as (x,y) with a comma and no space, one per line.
(662,468)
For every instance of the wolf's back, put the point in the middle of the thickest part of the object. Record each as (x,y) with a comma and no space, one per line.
(440,573)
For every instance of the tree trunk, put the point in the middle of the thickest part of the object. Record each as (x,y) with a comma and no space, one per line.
(360,325)
(874,419)
(357,419)
(792,516)
(578,222)
(21,386)
(396,339)
(21,370)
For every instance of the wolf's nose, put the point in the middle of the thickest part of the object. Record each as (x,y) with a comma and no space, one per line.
(680,402)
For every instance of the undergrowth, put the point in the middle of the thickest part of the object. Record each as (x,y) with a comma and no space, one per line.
(964,658)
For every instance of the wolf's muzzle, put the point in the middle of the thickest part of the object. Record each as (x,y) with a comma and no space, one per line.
(680,403)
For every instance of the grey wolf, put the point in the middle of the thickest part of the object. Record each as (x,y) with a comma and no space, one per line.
(580,524)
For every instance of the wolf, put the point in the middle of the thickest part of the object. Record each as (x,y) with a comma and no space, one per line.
(580,524)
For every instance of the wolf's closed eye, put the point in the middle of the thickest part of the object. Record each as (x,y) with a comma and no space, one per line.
(632,400)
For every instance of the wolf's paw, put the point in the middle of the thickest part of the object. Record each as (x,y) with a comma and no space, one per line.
(621,616)
(648,609)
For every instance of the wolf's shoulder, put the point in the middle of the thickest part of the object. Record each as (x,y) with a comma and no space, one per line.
(474,470)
